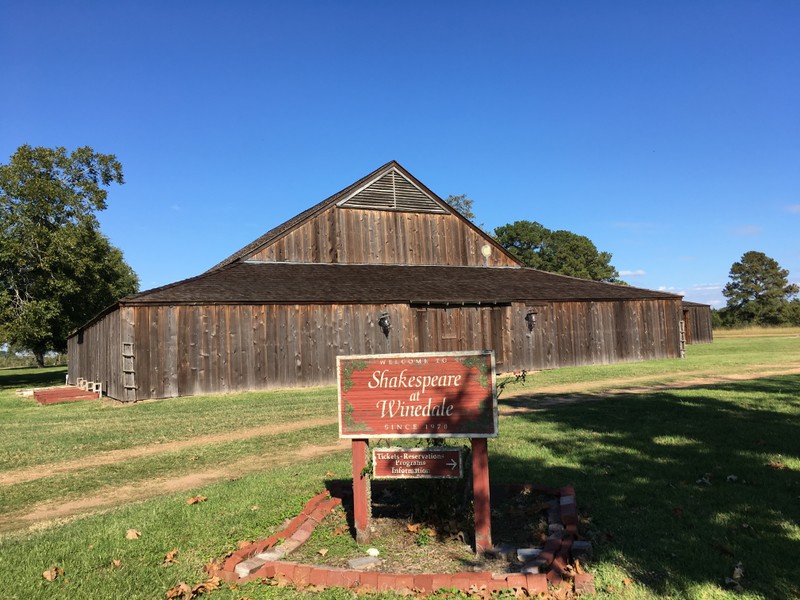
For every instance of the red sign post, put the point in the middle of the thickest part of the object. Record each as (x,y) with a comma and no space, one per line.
(423,395)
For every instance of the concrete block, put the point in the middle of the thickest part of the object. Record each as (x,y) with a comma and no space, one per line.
(363,563)
(270,555)
(527,554)
(251,565)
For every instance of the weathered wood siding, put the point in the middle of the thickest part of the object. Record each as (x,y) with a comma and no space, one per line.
(698,325)
(348,235)
(185,350)
(94,354)
(570,334)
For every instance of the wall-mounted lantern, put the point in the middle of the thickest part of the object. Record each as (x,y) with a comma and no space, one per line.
(385,323)
(530,319)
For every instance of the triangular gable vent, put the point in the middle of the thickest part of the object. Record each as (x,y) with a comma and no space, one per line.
(392,191)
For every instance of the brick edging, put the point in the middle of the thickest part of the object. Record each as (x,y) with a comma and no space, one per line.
(554,558)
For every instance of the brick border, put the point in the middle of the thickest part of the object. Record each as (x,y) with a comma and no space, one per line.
(552,567)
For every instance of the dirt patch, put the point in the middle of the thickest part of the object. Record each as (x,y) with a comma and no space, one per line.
(117,456)
(55,512)
(409,544)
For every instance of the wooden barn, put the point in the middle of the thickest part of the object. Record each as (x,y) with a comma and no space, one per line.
(385,265)
(697,323)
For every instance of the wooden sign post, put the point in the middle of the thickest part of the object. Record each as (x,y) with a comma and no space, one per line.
(423,395)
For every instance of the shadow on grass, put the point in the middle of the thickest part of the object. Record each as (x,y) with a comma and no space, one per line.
(22,378)
(678,487)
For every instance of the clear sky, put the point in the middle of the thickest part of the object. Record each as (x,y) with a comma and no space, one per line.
(666,132)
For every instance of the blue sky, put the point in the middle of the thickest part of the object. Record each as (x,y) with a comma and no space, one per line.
(668,133)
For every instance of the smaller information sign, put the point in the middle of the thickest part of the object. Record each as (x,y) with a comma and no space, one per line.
(417,463)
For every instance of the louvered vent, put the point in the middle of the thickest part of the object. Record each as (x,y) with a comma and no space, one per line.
(393,192)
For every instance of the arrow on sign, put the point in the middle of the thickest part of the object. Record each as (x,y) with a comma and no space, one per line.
(452,464)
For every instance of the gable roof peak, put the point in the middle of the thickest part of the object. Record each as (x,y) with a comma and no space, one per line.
(392,188)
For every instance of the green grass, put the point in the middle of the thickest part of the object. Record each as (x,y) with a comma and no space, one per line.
(635,460)
(39,435)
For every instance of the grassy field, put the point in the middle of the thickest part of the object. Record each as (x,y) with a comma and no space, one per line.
(692,471)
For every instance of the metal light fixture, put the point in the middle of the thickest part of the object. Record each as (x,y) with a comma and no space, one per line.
(530,319)
(385,323)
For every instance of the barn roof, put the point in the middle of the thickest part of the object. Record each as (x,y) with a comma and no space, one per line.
(276,282)
(389,187)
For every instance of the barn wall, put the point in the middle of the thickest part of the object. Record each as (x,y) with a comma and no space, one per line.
(98,355)
(698,324)
(570,334)
(347,235)
(186,350)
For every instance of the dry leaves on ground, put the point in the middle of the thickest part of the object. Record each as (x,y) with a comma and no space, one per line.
(169,558)
(53,574)
(133,534)
(212,567)
(196,499)
(182,591)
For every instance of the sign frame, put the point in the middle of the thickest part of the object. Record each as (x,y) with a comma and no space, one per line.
(412,360)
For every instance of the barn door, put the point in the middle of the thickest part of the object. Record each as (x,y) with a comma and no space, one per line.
(461,329)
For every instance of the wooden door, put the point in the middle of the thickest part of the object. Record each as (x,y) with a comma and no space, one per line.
(461,329)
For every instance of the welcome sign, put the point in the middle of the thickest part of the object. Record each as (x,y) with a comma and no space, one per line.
(424,395)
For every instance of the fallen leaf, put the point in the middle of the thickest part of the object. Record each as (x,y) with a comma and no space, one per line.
(212,567)
(776,464)
(322,551)
(254,508)
(413,528)
(196,499)
(53,574)
(133,534)
(329,474)
(627,581)
(170,557)
(209,585)
(181,590)
(341,529)
(242,544)
(116,563)
(578,568)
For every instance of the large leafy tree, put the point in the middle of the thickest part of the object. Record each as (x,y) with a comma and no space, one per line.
(558,251)
(56,267)
(759,292)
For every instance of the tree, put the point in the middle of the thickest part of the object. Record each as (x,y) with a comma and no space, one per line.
(462,204)
(758,292)
(56,268)
(559,251)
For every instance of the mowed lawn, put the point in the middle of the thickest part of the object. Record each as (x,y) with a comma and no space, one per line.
(691,472)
